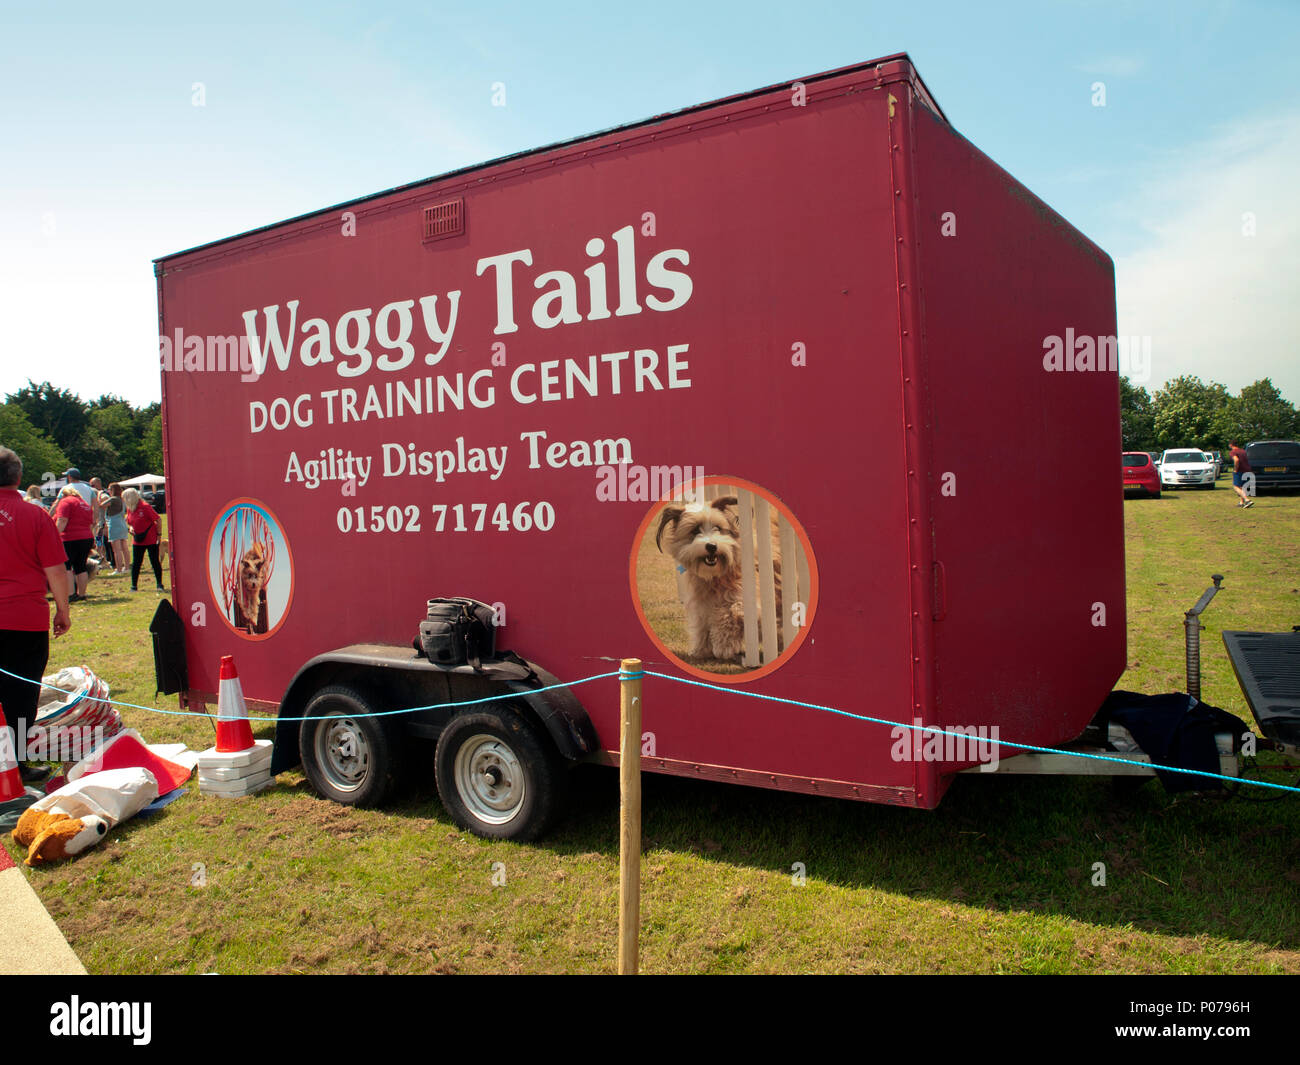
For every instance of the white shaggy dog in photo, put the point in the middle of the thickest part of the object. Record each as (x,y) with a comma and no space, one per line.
(704,540)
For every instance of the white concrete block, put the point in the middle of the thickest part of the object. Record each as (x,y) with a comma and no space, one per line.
(235,788)
(257,754)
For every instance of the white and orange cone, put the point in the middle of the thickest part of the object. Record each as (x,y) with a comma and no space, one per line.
(11,780)
(233,730)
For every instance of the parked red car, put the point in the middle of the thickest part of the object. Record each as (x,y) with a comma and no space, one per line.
(1140,474)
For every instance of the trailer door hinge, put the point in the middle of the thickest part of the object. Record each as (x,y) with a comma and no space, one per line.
(940,593)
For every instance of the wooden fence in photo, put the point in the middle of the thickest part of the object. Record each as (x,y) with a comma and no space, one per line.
(759,569)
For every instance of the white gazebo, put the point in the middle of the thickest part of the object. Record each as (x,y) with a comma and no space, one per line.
(150,479)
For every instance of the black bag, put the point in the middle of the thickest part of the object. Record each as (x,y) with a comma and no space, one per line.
(1177,730)
(457,631)
(168,632)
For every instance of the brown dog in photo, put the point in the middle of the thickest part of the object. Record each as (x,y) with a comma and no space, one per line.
(249,605)
(704,540)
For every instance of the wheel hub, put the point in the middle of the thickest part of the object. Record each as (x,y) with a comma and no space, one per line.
(490,779)
(342,753)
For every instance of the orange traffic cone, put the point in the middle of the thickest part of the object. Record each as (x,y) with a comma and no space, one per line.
(233,731)
(11,780)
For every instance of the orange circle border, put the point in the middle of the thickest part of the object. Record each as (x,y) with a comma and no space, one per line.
(814,581)
(212,529)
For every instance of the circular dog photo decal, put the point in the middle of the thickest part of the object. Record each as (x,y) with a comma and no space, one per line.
(250,569)
(724,579)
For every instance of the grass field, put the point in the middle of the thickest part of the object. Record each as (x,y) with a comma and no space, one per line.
(998,879)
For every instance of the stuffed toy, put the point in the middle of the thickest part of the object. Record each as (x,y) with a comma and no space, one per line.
(77,816)
(49,837)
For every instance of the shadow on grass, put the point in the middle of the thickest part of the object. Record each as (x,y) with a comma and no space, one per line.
(1178,865)
(103,598)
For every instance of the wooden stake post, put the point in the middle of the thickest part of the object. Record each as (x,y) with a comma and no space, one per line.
(629,863)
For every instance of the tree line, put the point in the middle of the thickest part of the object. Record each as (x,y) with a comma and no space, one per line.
(52,429)
(1187,412)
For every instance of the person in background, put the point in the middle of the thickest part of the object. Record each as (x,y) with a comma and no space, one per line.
(101,530)
(115,513)
(1240,467)
(31,555)
(97,525)
(34,495)
(72,517)
(84,490)
(145,528)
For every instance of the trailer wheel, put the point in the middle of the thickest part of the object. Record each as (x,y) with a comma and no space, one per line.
(348,755)
(496,777)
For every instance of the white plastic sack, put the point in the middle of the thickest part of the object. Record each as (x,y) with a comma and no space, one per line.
(116,795)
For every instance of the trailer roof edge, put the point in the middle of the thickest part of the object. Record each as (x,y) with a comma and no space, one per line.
(908,73)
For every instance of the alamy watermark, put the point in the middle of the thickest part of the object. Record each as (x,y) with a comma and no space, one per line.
(629,483)
(952,743)
(206,354)
(1129,355)
(131,1020)
(40,744)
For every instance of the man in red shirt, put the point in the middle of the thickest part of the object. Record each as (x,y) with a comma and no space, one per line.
(1240,467)
(31,554)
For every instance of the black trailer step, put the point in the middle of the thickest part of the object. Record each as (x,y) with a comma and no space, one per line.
(1267,665)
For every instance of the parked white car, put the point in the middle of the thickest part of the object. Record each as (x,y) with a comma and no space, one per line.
(1186,469)
(1213,458)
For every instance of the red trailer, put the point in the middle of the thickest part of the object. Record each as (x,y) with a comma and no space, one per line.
(749,391)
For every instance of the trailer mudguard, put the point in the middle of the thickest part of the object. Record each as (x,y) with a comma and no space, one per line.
(398,671)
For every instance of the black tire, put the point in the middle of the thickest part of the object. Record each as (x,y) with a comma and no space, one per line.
(348,756)
(497,777)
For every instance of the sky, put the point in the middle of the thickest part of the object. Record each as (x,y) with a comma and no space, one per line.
(132,131)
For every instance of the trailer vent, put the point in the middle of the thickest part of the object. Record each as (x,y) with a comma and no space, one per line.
(444,220)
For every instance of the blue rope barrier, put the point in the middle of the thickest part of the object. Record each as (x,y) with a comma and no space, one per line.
(378,713)
(727,691)
(942,732)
